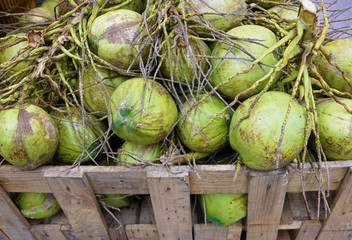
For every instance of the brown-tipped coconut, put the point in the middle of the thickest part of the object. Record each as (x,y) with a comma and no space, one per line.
(29,136)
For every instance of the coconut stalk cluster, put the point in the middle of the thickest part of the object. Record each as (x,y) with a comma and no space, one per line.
(144,82)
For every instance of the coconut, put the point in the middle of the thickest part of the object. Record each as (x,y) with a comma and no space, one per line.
(37,205)
(136,153)
(50,4)
(213,136)
(257,137)
(230,70)
(29,136)
(335,125)
(224,209)
(185,69)
(134,5)
(111,35)
(268,3)
(38,15)
(14,47)
(142,111)
(340,51)
(287,14)
(116,200)
(71,133)
(211,11)
(98,87)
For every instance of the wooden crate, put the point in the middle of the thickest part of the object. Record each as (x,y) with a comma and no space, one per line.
(14,6)
(276,209)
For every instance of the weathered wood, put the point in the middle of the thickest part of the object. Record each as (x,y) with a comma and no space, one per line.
(47,232)
(234,231)
(203,179)
(146,215)
(169,192)
(210,231)
(262,232)
(309,230)
(117,232)
(286,216)
(339,222)
(3,235)
(283,235)
(266,196)
(142,232)
(77,199)
(12,222)
(297,206)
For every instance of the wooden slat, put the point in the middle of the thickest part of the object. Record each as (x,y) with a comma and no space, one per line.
(284,235)
(146,215)
(203,179)
(77,199)
(286,216)
(3,235)
(12,222)
(169,192)
(234,231)
(117,233)
(142,232)
(266,198)
(309,230)
(210,231)
(47,232)
(339,222)
(297,206)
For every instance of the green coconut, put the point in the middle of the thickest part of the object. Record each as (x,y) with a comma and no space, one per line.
(142,113)
(134,5)
(268,3)
(212,137)
(37,205)
(111,36)
(133,153)
(335,125)
(71,133)
(50,4)
(14,47)
(224,209)
(257,137)
(230,70)
(183,68)
(38,15)
(340,51)
(29,137)
(287,15)
(116,200)
(235,11)
(98,87)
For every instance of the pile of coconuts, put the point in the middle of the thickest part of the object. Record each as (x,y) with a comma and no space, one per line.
(146,82)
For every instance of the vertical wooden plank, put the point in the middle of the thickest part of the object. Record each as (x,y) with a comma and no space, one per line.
(3,235)
(266,196)
(142,232)
(338,225)
(47,232)
(234,231)
(286,216)
(285,235)
(171,203)
(117,233)
(210,231)
(77,199)
(309,230)
(146,215)
(298,206)
(12,222)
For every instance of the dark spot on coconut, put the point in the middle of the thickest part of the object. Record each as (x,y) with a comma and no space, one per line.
(115,33)
(24,127)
